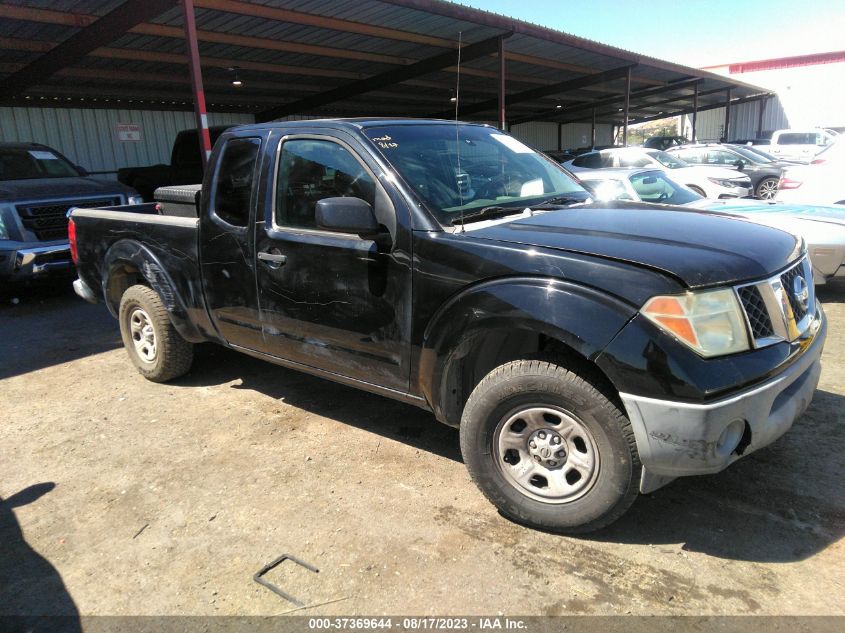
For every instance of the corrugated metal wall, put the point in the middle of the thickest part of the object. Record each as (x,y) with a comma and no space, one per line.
(710,124)
(89,137)
(543,135)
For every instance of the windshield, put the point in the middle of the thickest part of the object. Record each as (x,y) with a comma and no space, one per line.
(26,164)
(667,160)
(655,186)
(756,157)
(462,168)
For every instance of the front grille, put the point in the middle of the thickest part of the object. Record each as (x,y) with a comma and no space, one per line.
(780,308)
(755,309)
(49,221)
(788,280)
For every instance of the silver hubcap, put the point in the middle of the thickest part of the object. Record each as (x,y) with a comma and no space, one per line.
(546,453)
(143,335)
(768,189)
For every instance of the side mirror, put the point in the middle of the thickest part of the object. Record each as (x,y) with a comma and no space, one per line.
(82,171)
(346,215)
(739,164)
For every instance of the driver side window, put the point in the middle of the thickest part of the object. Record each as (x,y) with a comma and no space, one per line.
(310,170)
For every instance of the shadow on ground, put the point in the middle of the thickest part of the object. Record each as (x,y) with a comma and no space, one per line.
(47,324)
(29,585)
(215,365)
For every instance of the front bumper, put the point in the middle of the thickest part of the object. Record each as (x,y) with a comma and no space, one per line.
(675,439)
(18,264)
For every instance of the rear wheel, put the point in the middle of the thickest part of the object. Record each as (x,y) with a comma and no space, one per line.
(767,189)
(548,448)
(153,344)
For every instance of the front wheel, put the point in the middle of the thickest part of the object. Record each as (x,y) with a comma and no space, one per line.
(767,188)
(548,448)
(153,344)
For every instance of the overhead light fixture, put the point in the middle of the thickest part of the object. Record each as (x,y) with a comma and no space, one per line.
(236,81)
(453,98)
(558,107)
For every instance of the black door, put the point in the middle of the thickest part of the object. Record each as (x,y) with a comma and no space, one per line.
(226,245)
(333,301)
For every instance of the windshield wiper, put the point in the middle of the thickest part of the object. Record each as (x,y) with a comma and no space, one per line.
(561,200)
(486,213)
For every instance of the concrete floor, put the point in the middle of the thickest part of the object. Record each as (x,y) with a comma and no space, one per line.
(119,496)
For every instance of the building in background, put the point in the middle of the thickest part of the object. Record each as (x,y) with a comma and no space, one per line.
(810,93)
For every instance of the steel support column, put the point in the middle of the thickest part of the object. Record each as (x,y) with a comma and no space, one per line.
(559,136)
(727,114)
(694,112)
(760,113)
(626,107)
(196,80)
(593,130)
(502,113)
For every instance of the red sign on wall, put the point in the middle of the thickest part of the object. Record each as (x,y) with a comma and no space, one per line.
(128,131)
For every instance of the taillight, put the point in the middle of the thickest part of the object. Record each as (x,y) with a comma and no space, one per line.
(818,161)
(71,236)
(788,183)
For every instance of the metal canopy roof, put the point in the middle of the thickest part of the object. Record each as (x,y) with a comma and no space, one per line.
(312,57)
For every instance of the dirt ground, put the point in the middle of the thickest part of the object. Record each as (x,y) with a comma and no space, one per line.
(119,496)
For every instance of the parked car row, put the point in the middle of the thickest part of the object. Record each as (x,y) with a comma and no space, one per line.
(707,181)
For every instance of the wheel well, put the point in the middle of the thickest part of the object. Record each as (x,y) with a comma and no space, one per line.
(477,355)
(122,277)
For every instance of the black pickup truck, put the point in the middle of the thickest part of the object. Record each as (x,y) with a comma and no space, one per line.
(585,351)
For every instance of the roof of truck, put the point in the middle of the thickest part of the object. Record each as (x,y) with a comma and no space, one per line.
(357,122)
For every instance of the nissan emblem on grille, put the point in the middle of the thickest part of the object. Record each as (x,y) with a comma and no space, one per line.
(801,291)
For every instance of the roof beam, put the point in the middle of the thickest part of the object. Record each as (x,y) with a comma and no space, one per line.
(100,32)
(390,77)
(712,106)
(637,94)
(541,91)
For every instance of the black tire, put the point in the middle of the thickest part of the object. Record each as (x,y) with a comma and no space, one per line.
(518,385)
(766,189)
(172,355)
(697,190)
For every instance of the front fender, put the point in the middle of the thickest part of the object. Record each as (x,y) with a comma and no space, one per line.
(129,253)
(578,316)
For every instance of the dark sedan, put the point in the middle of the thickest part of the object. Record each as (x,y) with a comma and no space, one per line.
(764,173)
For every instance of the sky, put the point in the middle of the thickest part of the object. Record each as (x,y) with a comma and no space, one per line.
(691,32)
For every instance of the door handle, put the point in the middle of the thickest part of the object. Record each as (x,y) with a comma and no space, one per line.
(273,257)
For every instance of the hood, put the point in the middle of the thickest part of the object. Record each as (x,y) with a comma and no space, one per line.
(739,206)
(700,248)
(46,188)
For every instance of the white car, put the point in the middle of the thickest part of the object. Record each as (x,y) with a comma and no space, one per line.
(820,182)
(823,228)
(706,181)
(800,145)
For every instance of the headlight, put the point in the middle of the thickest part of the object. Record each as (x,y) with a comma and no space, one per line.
(134,200)
(710,322)
(729,182)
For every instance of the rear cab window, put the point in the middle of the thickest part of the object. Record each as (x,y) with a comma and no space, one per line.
(233,185)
